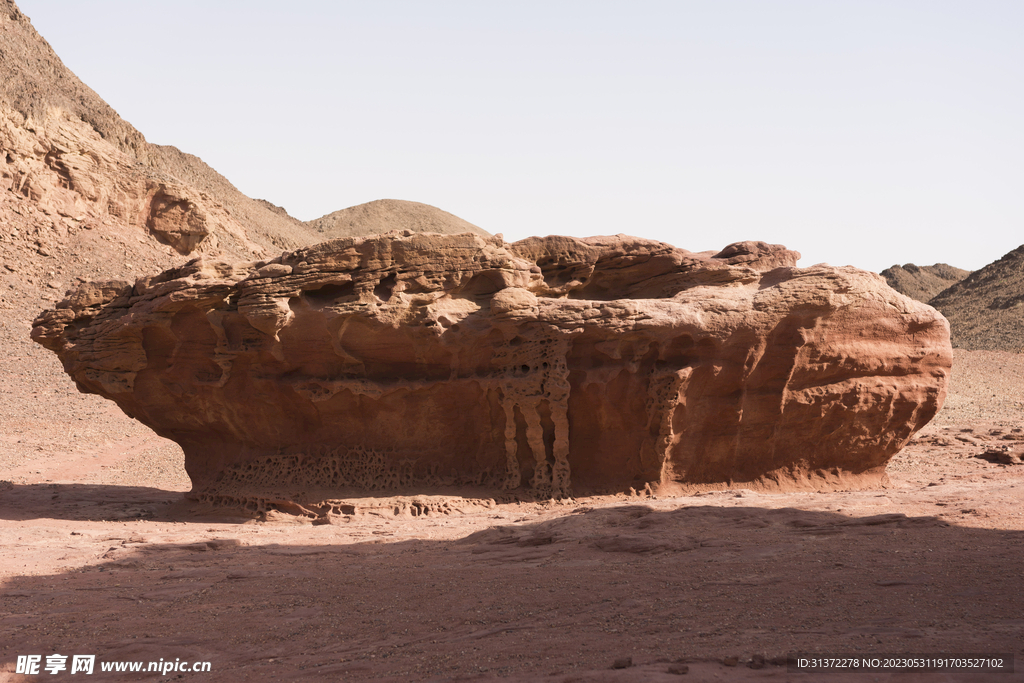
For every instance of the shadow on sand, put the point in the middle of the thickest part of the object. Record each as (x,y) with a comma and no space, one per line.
(104,503)
(559,599)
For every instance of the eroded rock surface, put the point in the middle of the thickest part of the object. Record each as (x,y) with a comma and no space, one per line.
(552,366)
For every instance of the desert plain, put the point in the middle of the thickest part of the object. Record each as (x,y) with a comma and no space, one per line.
(102,552)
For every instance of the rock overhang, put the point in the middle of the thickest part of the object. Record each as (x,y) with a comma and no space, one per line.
(549,366)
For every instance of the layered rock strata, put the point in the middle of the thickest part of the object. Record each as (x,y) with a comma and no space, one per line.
(67,168)
(551,366)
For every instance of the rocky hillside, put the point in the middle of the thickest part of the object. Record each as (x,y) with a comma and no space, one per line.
(83,195)
(923,282)
(69,152)
(374,218)
(986,309)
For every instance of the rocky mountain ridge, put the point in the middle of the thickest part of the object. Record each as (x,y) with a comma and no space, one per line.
(923,282)
(83,194)
(69,151)
(986,309)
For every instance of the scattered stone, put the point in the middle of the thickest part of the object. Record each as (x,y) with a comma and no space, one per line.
(756,662)
(731,661)
(1003,455)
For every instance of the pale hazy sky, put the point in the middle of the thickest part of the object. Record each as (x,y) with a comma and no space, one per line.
(856,132)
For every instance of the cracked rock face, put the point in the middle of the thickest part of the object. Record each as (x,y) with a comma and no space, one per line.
(551,366)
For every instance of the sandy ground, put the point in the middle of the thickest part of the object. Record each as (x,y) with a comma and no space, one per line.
(100,554)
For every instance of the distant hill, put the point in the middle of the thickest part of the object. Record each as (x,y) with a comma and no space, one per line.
(986,309)
(923,282)
(382,215)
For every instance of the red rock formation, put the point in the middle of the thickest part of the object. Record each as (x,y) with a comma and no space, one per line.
(551,366)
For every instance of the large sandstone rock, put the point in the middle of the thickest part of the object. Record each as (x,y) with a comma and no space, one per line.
(551,366)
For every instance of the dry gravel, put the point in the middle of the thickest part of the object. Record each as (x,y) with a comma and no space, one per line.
(986,386)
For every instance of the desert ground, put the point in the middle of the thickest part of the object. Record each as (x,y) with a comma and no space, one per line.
(101,554)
